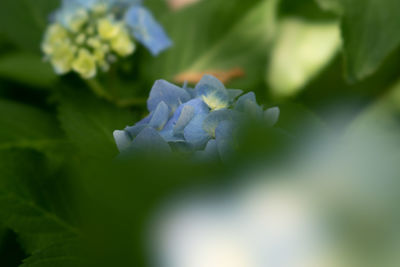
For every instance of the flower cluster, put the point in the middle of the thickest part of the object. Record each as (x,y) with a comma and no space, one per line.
(87,35)
(201,120)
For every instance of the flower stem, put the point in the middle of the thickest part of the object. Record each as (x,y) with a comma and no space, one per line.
(100,91)
(131,102)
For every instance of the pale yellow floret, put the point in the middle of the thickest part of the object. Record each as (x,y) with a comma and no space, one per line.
(79,19)
(122,44)
(54,36)
(213,102)
(100,8)
(94,42)
(99,55)
(85,64)
(108,29)
(80,39)
(63,57)
(90,30)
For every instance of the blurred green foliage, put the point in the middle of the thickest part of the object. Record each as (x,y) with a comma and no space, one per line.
(60,186)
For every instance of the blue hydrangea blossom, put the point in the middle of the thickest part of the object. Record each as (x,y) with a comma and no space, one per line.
(87,35)
(201,120)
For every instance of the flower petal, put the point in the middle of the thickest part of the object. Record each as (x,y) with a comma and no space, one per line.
(213,92)
(160,116)
(147,30)
(271,116)
(224,136)
(186,115)
(212,121)
(122,139)
(171,94)
(194,132)
(149,141)
(248,104)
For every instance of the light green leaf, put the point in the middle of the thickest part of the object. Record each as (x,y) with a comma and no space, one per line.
(27,68)
(26,126)
(370,30)
(216,35)
(301,51)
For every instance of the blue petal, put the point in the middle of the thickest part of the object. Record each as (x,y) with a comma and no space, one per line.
(133,131)
(198,107)
(248,104)
(224,136)
(122,139)
(186,115)
(160,116)
(149,141)
(169,136)
(213,92)
(241,102)
(147,30)
(271,116)
(212,121)
(208,83)
(146,120)
(171,94)
(194,133)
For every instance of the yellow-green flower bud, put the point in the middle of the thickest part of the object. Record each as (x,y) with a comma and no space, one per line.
(94,42)
(62,57)
(85,64)
(80,39)
(108,29)
(122,44)
(79,19)
(54,36)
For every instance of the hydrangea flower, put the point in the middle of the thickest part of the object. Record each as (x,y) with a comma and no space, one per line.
(201,120)
(87,35)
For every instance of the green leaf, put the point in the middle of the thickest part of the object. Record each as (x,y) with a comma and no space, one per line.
(21,191)
(26,126)
(27,68)
(62,254)
(217,35)
(89,123)
(24,21)
(301,51)
(370,30)
(37,227)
